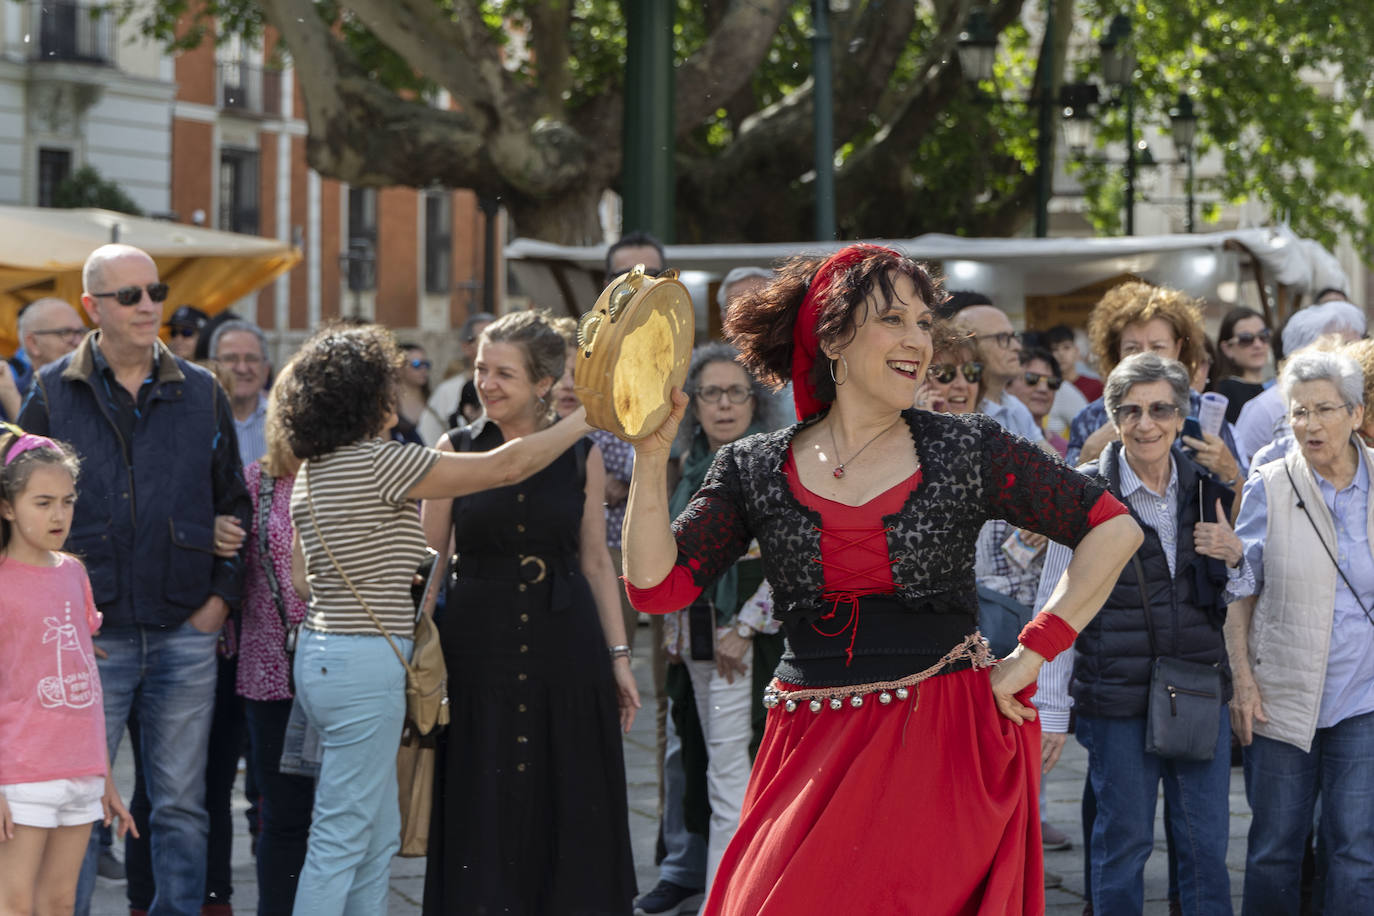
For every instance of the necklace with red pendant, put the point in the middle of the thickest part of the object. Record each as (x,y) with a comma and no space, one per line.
(839,468)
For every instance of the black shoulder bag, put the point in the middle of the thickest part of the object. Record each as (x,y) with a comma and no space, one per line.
(1184,710)
(266,486)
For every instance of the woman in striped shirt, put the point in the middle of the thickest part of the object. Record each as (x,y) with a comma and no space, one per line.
(356,499)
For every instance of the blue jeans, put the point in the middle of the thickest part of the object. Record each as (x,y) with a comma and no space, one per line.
(285,806)
(1282,783)
(1125,782)
(353,691)
(685,862)
(167,676)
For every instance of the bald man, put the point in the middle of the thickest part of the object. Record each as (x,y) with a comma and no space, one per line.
(999,350)
(160,460)
(49,329)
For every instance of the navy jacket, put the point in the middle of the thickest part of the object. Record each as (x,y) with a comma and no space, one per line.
(146,529)
(1111,676)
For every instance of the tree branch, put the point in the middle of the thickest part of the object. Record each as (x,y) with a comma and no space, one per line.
(720,67)
(549,40)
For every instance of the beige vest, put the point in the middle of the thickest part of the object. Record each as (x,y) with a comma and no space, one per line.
(1290,632)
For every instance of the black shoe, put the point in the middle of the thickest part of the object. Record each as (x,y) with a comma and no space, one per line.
(669,899)
(109,866)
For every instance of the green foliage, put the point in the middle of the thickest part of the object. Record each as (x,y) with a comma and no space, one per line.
(1280,88)
(87,188)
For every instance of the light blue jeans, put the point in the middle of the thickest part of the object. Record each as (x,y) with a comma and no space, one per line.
(169,674)
(353,691)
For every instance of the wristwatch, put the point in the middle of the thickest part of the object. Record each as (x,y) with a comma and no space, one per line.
(744,630)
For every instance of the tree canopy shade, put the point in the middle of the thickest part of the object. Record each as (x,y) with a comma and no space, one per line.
(1281,89)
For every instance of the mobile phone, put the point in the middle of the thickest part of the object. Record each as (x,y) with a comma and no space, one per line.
(1192,428)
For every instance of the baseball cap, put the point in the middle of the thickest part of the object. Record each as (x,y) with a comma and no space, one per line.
(187,315)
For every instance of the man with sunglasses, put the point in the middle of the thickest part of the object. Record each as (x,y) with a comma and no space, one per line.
(999,350)
(183,330)
(159,461)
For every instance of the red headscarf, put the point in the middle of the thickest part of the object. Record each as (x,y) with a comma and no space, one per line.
(805,346)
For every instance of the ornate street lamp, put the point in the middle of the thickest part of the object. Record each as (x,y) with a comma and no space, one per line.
(977,48)
(1183,121)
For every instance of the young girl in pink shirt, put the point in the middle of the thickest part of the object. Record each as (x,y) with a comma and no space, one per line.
(54,773)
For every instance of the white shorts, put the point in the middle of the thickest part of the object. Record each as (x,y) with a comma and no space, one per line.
(56,802)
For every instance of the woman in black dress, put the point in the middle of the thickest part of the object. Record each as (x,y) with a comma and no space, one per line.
(530,810)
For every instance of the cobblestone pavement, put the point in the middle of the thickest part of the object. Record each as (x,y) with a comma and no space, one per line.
(1062,789)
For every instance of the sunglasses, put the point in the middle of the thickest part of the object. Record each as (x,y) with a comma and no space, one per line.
(1035,378)
(944,372)
(419,364)
(1246,339)
(1160,411)
(183,330)
(130,295)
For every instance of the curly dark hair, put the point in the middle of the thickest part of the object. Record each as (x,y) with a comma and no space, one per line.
(760,324)
(341,388)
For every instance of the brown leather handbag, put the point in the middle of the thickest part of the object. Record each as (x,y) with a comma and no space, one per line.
(633,348)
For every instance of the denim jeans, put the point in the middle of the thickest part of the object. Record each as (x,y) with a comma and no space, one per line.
(1282,783)
(286,801)
(685,862)
(353,691)
(167,676)
(1125,781)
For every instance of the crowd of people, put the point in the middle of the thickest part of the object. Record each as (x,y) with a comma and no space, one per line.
(849,614)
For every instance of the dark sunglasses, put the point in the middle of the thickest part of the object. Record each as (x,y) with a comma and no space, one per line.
(420,364)
(1160,411)
(181,330)
(944,372)
(1035,378)
(130,295)
(1246,339)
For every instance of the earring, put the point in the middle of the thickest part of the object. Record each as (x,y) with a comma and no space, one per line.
(841,359)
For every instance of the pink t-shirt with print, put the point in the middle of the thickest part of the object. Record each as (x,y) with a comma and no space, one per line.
(52,720)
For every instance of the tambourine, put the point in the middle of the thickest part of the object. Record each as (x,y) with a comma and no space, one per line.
(633,348)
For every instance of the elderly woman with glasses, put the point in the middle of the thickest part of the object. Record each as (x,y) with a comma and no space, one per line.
(1301,638)
(1167,603)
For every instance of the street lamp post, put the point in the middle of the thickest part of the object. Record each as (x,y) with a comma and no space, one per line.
(824,113)
(1183,120)
(1118,72)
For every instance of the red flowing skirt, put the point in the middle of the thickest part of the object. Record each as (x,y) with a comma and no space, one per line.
(927,805)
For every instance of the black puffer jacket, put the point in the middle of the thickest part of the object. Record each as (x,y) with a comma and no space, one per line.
(1111,675)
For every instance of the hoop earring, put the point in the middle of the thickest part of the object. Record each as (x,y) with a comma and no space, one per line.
(841,359)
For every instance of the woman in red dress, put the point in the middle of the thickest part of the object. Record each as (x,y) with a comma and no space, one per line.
(900,765)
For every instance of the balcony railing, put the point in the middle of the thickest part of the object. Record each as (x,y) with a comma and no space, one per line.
(249,89)
(68,31)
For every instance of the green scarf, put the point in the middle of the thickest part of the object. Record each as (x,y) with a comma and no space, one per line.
(724,593)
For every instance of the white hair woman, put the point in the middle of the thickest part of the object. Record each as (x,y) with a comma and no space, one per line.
(1301,639)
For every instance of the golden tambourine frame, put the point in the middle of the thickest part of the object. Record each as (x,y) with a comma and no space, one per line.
(633,348)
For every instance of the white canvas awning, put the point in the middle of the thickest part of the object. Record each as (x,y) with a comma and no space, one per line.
(42,251)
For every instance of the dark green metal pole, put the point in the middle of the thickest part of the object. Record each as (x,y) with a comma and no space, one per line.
(648,177)
(823,94)
(1044,141)
(1130,157)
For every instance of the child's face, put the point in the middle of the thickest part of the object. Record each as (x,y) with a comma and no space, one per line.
(41,515)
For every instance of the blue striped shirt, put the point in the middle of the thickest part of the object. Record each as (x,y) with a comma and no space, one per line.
(252,433)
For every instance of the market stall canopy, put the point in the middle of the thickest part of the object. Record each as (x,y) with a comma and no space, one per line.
(1209,265)
(42,251)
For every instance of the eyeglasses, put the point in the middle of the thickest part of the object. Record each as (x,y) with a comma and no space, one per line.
(419,364)
(737,394)
(1246,339)
(65,333)
(944,372)
(1323,413)
(183,331)
(1004,339)
(130,295)
(1035,378)
(1160,411)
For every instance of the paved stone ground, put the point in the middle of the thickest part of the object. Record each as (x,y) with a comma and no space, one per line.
(1063,790)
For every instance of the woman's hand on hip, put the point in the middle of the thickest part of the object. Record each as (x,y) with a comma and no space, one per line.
(626,690)
(1011,675)
(1246,709)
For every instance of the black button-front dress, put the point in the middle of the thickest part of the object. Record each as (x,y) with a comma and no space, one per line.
(530,809)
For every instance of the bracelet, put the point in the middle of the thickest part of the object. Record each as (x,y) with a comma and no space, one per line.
(620,652)
(1048,634)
